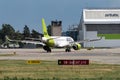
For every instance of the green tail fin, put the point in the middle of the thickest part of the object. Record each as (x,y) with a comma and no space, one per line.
(45,33)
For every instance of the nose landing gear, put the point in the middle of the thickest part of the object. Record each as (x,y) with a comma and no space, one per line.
(68,49)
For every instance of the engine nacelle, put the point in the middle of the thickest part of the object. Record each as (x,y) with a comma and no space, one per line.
(76,46)
(48,41)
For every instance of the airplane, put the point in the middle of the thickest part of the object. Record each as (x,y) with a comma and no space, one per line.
(55,41)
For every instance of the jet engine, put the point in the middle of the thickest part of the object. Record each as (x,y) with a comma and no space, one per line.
(76,46)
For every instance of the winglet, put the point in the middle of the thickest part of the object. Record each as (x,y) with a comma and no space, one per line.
(7,38)
(45,33)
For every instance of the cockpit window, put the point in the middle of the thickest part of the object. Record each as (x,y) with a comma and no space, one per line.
(69,39)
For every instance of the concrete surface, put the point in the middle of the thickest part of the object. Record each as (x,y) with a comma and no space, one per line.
(107,56)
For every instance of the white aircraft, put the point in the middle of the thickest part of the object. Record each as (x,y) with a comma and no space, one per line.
(55,41)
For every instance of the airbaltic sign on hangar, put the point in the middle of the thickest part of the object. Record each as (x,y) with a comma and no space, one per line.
(100,22)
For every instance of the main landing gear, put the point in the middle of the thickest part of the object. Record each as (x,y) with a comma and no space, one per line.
(68,49)
(46,48)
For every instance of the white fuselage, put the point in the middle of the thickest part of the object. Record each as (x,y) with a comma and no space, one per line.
(60,41)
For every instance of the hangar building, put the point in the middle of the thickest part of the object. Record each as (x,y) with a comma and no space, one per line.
(100,22)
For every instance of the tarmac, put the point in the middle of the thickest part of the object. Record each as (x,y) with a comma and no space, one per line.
(100,56)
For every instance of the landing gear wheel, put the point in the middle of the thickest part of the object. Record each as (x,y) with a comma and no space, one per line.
(46,48)
(49,50)
(68,50)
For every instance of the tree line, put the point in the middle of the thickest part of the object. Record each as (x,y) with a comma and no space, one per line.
(8,30)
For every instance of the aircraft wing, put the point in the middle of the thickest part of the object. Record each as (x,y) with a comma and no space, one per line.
(87,40)
(38,41)
(32,42)
(8,39)
(33,39)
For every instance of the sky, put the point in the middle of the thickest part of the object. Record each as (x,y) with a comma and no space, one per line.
(19,13)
